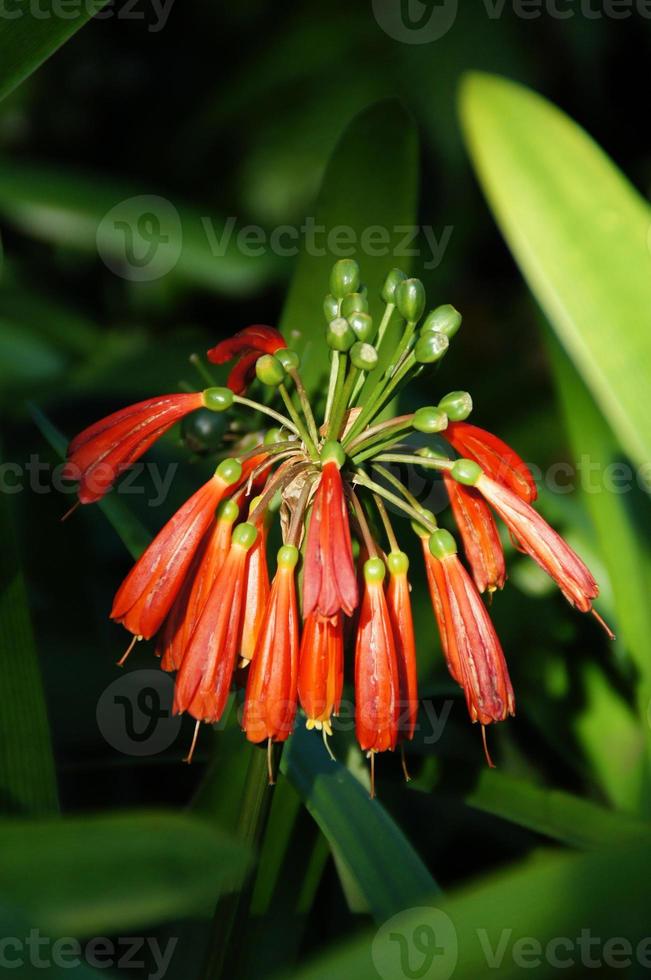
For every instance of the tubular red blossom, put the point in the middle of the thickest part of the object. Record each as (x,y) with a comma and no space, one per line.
(470,643)
(146,596)
(329,581)
(321,669)
(377,682)
(399,604)
(190,603)
(498,460)
(481,540)
(542,543)
(247,345)
(271,691)
(204,680)
(99,454)
(257,593)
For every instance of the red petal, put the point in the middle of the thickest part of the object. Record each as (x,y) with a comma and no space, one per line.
(497,459)
(480,536)
(399,603)
(243,373)
(258,337)
(377,685)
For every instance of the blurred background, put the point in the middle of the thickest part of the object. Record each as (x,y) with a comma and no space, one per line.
(229,113)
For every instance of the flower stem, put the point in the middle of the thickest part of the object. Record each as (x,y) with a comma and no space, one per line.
(438,463)
(377,432)
(249,403)
(298,423)
(305,405)
(416,515)
(382,511)
(334,371)
(398,484)
(341,403)
(201,368)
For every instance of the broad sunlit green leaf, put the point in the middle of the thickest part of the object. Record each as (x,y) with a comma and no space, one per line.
(86,875)
(582,237)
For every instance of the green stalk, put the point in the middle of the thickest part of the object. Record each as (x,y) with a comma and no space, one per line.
(334,373)
(377,433)
(363,480)
(341,403)
(249,403)
(298,422)
(439,463)
(305,405)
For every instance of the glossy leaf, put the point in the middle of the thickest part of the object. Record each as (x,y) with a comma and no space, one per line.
(388,872)
(582,237)
(91,875)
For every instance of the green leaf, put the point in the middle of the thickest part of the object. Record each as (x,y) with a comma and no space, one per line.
(95,874)
(91,214)
(27,775)
(30,34)
(357,194)
(379,858)
(474,932)
(561,816)
(582,237)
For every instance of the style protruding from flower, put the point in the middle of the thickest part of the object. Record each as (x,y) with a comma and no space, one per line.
(339,603)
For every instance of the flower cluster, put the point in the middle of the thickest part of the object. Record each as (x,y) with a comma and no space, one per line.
(203,586)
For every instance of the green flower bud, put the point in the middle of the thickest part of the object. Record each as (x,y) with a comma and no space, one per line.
(330,307)
(218,399)
(340,335)
(374,570)
(344,278)
(410,299)
(287,556)
(228,511)
(244,535)
(442,544)
(288,358)
(429,419)
(466,471)
(444,319)
(332,450)
(269,370)
(363,356)
(229,470)
(362,324)
(457,405)
(273,436)
(430,348)
(398,563)
(203,430)
(354,303)
(391,283)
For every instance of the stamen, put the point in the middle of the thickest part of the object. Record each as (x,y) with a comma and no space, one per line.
(70,512)
(372,757)
(243,662)
(325,734)
(602,622)
(188,757)
(490,762)
(403,760)
(123,659)
(270,762)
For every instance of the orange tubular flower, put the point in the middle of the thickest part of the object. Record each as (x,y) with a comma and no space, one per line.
(321,670)
(99,454)
(542,543)
(377,682)
(257,591)
(470,644)
(204,680)
(399,603)
(247,345)
(146,596)
(329,582)
(271,691)
(192,599)
(497,459)
(481,540)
